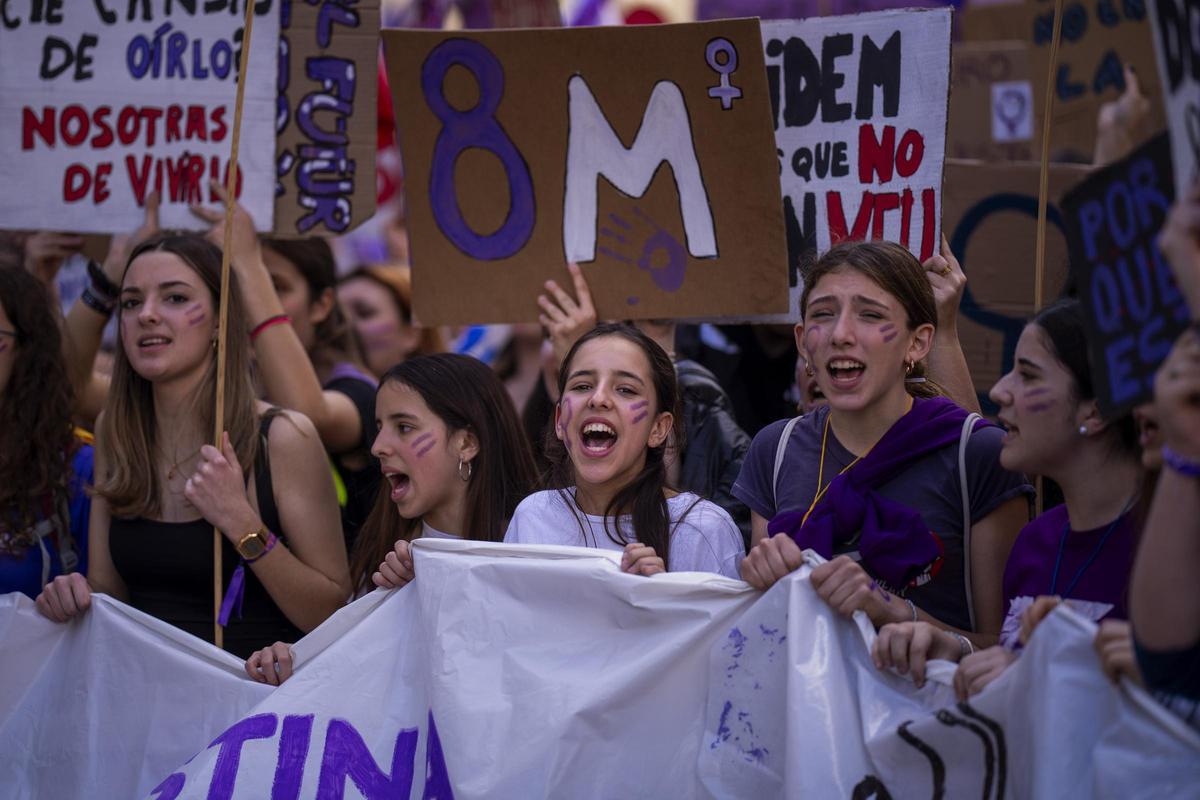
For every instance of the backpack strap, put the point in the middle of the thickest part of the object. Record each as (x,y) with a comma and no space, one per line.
(780,449)
(967,429)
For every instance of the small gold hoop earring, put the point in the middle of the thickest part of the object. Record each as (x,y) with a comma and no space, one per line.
(466,477)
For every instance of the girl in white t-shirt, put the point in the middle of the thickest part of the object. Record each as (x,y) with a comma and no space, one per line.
(608,454)
(455,462)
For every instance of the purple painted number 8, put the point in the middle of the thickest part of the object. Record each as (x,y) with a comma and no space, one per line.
(475,127)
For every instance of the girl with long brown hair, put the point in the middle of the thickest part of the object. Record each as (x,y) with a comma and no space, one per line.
(878,473)
(160,489)
(44,466)
(455,463)
(619,407)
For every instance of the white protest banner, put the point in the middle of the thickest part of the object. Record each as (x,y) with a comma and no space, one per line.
(525,672)
(103,103)
(1178,55)
(859,106)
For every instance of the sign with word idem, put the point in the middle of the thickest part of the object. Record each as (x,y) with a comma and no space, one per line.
(328,67)
(1179,70)
(1135,312)
(643,153)
(103,103)
(859,105)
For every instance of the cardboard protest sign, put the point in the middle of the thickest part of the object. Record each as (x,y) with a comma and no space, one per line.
(1178,57)
(644,153)
(995,103)
(100,107)
(1098,39)
(990,220)
(325,123)
(859,106)
(1135,312)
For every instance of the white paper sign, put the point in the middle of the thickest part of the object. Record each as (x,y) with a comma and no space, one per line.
(1012,111)
(860,129)
(103,103)
(521,672)
(1178,55)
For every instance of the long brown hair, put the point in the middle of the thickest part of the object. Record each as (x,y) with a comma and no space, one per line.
(895,270)
(644,498)
(313,259)
(466,395)
(127,430)
(35,406)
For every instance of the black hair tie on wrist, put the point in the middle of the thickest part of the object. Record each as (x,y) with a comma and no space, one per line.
(101,283)
(103,307)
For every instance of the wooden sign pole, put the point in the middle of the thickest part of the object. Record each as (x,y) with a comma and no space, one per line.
(223,313)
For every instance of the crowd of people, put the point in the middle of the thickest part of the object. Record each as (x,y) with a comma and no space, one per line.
(350,431)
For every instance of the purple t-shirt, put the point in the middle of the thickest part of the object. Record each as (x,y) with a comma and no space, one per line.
(930,485)
(1102,588)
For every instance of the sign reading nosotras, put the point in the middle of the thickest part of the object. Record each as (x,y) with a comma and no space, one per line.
(1134,310)
(859,106)
(1178,67)
(98,109)
(644,153)
(325,156)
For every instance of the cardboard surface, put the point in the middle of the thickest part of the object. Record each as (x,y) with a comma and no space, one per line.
(1097,39)
(621,148)
(990,220)
(1135,312)
(1178,61)
(860,106)
(995,103)
(97,111)
(325,153)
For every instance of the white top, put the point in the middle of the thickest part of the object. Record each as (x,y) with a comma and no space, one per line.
(704,537)
(430,532)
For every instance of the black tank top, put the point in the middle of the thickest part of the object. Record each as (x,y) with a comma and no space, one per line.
(168,568)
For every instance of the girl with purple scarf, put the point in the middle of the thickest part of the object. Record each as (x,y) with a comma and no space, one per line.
(1080,552)
(873,481)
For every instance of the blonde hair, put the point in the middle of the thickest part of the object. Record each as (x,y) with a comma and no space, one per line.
(127,429)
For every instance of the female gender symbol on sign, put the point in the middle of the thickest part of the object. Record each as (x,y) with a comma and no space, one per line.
(726,91)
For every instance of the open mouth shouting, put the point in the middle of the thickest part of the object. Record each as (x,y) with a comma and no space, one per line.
(845,373)
(400,483)
(598,438)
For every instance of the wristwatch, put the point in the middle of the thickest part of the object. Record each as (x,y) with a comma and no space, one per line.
(254,544)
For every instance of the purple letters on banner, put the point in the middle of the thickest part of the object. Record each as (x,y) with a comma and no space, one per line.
(346,756)
(260,726)
(293,752)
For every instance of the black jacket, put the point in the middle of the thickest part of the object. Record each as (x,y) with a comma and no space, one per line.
(715,444)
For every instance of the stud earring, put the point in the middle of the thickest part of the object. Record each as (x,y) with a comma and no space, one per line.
(1083,431)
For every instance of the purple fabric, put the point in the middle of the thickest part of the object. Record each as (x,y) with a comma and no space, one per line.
(1030,567)
(234,594)
(895,543)
(344,369)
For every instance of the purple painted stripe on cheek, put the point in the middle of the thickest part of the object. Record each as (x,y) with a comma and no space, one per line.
(1040,407)
(1036,392)
(640,417)
(422,438)
(887,337)
(421,453)
(639,404)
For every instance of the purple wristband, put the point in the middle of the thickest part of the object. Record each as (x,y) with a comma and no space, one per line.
(1182,465)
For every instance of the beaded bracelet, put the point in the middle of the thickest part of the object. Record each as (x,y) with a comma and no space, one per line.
(269,322)
(1181,464)
(965,646)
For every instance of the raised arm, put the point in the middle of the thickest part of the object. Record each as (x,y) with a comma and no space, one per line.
(947,362)
(286,369)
